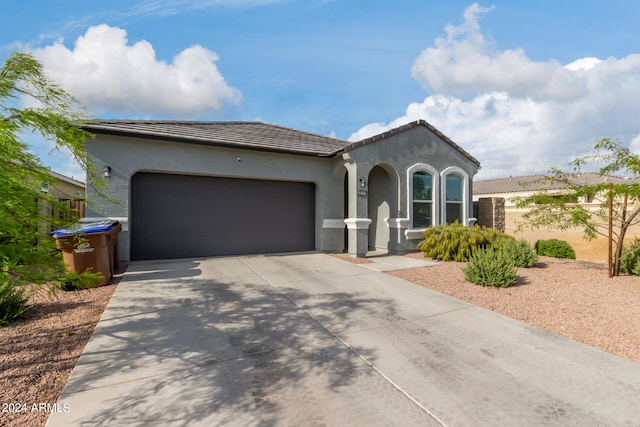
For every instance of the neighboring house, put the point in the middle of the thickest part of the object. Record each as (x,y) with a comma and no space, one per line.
(67,190)
(64,187)
(495,207)
(524,186)
(191,189)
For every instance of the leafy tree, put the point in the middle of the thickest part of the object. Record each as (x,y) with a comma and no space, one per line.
(27,254)
(560,211)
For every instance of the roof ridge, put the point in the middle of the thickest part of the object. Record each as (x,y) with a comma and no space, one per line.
(511,177)
(253,135)
(171,121)
(63,177)
(204,122)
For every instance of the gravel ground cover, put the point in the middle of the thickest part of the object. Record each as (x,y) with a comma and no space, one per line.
(574,299)
(39,351)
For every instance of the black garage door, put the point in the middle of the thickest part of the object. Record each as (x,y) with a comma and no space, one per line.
(181,216)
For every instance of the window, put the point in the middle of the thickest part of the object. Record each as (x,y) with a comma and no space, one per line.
(422,199)
(454,198)
(455,195)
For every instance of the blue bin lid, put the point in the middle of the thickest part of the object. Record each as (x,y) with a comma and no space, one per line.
(85,228)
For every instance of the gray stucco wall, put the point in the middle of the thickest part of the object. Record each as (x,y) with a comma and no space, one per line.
(378,208)
(127,156)
(396,154)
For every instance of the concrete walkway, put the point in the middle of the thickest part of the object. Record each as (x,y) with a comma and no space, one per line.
(309,339)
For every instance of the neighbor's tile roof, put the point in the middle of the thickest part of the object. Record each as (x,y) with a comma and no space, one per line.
(67,179)
(249,135)
(518,184)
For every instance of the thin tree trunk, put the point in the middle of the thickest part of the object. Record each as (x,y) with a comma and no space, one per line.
(623,230)
(610,236)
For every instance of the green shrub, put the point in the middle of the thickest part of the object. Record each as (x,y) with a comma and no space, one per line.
(555,248)
(13,300)
(489,267)
(457,242)
(630,259)
(520,252)
(72,281)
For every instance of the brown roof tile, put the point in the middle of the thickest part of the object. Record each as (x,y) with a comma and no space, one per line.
(248,135)
(537,183)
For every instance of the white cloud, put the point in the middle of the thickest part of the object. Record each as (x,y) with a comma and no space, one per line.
(516,115)
(464,64)
(635,144)
(106,73)
(583,64)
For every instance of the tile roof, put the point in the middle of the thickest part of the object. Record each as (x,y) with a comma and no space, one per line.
(249,135)
(517,184)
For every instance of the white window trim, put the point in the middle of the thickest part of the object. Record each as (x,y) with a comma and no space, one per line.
(465,193)
(435,214)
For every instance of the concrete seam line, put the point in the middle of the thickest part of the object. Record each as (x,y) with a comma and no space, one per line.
(351,349)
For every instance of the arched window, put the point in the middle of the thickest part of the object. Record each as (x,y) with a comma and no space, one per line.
(423,196)
(453,199)
(422,199)
(455,195)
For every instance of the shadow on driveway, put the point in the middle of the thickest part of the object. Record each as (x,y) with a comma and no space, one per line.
(177,347)
(309,339)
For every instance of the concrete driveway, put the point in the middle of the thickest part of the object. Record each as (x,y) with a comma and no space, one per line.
(309,339)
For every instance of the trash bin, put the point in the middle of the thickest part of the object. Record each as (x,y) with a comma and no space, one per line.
(90,246)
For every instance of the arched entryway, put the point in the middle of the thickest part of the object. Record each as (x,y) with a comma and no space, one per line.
(382,204)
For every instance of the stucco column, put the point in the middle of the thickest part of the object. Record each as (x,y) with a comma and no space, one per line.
(357,223)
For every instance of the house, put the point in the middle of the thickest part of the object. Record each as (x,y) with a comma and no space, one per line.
(524,186)
(191,189)
(64,187)
(67,190)
(494,206)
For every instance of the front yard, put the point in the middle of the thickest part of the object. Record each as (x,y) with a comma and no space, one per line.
(574,299)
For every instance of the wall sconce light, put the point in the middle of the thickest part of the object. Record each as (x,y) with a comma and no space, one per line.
(107,171)
(363,182)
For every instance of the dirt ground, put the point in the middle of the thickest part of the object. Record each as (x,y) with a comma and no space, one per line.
(572,298)
(39,351)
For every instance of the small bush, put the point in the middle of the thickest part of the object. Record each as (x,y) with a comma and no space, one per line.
(630,259)
(489,267)
(457,242)
(520,252)
(555,248)
(72,281)
(13,301)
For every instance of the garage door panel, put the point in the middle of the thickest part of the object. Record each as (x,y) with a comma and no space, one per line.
(175,216)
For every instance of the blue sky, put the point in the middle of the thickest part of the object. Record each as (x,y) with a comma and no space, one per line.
(522,86)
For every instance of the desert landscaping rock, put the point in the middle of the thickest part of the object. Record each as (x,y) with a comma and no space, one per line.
(574,299)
